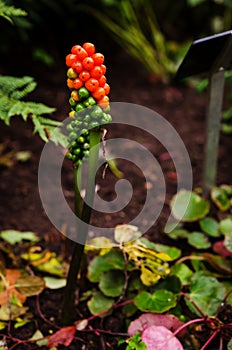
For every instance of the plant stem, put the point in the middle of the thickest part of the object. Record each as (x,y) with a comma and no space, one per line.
(84,213)
(210,339)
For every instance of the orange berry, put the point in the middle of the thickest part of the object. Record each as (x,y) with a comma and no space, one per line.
(104,102)
(99,93)
(70,83)
(89,48)
(84,75)
(75,96)
(96,72)
(88,63)
(98,58)
(77,83)
(106,87)
(102,80)
(92,84)
(103,68)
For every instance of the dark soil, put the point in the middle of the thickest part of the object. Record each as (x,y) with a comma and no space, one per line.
(21,207)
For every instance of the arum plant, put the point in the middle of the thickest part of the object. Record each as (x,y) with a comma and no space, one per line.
(89,103)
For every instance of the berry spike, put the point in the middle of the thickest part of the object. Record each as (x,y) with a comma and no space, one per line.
(88,99)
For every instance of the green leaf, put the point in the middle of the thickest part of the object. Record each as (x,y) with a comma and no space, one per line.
(160,301)
(112,283)
(183,272)
(178,233)
(220,198)
(30,285)
(9,12)
(14,236)
(225,225)
(173,252)
(99,304)
(229,345)
(12,313)
(206,292)
(38,337)
(199,240)
(52,266)
(188,206)
(112,260)
(210,226)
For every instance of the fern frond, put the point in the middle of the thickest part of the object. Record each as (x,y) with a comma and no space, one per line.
(11,91)
(10,11)
(15,87)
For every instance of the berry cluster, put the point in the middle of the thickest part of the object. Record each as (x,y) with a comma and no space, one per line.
(89,99)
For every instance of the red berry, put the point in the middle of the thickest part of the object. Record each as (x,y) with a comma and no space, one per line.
(77,66)
(88,63)
(77,83)
(102,81)
(98,58)
(70,59)
(92,84)
(89,48)
(84,75)
(96,72)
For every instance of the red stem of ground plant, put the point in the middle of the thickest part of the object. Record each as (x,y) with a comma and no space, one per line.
(194,304)
(210,339)
(189,323)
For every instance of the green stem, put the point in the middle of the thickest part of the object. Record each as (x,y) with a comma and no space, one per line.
(68,309)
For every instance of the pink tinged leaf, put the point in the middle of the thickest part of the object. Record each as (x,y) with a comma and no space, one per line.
(169,321)
(220,248)
(62,337)
(160,338)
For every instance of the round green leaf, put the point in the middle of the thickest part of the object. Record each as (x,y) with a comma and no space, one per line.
(199,240)
(206,292)
(160,301)
(220,198)
(178,233)
(183,272)
(188,206)
(210,226)
(225,225)
(112,283)
(99,303)
(112,260)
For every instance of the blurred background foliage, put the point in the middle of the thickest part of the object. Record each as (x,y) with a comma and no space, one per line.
(155,33)
(143,28)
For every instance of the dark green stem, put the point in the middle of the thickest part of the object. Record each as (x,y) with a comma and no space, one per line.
(68,309)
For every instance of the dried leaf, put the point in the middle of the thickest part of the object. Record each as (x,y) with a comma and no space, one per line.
(11,276)
(30,285)
(62,337)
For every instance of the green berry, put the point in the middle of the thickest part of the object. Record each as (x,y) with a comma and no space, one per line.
(83,93)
